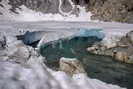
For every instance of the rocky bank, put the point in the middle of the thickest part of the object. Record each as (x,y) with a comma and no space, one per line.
(121,50)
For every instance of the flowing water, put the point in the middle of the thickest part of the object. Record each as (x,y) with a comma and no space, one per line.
(100,67)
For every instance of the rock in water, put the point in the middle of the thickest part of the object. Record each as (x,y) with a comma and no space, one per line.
(121,56)
(71,66)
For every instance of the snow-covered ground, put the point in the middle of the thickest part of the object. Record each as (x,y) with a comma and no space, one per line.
(26,14)
(54,30)
(107,27)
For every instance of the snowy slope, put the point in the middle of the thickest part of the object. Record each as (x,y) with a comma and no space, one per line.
(26,14)
(40,77)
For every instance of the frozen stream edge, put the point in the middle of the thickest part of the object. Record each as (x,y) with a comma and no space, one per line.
(63,30)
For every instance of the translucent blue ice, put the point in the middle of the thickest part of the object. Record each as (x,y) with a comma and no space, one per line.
(84,32)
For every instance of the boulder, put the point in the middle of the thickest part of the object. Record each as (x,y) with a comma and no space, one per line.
(71,66)
(121,56)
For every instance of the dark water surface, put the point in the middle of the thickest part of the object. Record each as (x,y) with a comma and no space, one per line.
(100,67)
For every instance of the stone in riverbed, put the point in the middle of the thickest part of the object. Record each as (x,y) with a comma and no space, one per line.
(71,66)
(121,56)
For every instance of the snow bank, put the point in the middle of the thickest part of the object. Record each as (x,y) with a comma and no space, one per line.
(35,76)
(26,14)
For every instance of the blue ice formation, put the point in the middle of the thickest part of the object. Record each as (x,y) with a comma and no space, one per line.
(84,32)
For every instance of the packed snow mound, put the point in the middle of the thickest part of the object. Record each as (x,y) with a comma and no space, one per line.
(38,76)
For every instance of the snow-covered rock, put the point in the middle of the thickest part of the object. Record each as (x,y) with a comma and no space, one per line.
(16,50)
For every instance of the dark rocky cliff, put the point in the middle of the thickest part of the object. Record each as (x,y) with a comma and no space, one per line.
(112,10)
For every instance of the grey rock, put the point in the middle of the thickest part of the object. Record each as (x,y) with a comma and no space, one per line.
(71,66)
